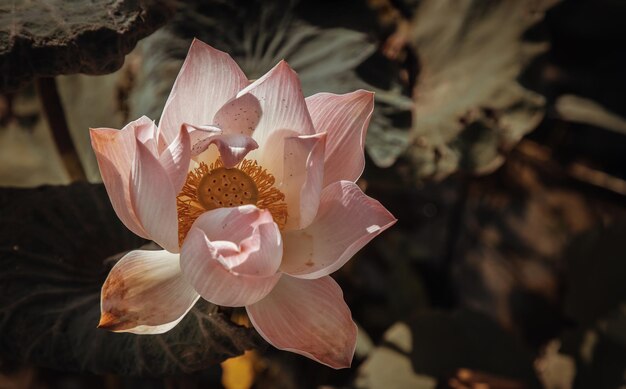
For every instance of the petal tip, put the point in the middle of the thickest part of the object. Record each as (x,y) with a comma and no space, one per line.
(142,151)
(365,92)
(102,134)
(197,44)
(110,322)
(341,361)
(341,364)
(344,360)
(391,218)
(283,65)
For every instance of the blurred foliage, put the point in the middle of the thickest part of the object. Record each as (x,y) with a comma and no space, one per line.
(596,301)
(578,109)
(437,344)
(388,365)
(28,156)
(444,341)
(469,106)
(596,272)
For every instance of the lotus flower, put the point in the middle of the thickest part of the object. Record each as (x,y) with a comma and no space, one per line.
(250,190)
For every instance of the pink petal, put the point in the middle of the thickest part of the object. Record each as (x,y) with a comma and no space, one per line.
(346,221)
(280,96)
(303,174)
(231,255)
(239,116)
(145,293)
(308,317)
(207,80)
(175,159)
(115,152)
(345,119)
(154,199)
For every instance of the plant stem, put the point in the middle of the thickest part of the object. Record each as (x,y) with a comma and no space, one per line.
(53,109)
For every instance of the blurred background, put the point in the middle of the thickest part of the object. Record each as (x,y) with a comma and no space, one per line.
(498,140)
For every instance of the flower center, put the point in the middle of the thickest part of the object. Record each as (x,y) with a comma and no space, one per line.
(215,186)
(223,187)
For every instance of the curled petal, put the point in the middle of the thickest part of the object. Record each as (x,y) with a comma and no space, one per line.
(344,118)
(233,147)
(175,159)
(154,199)
(207,80)
(253,230)
(145,293)
(115,152)
(280,96)
(346,221)
(146,133)
(308,317)
(206,269)
(231,255)
(239,116)
(232,224)
(200,137)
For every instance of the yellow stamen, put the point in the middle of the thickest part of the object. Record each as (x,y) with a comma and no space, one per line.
(215,186)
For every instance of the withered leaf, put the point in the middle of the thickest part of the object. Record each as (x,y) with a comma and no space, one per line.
(52,37)
(468,103)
